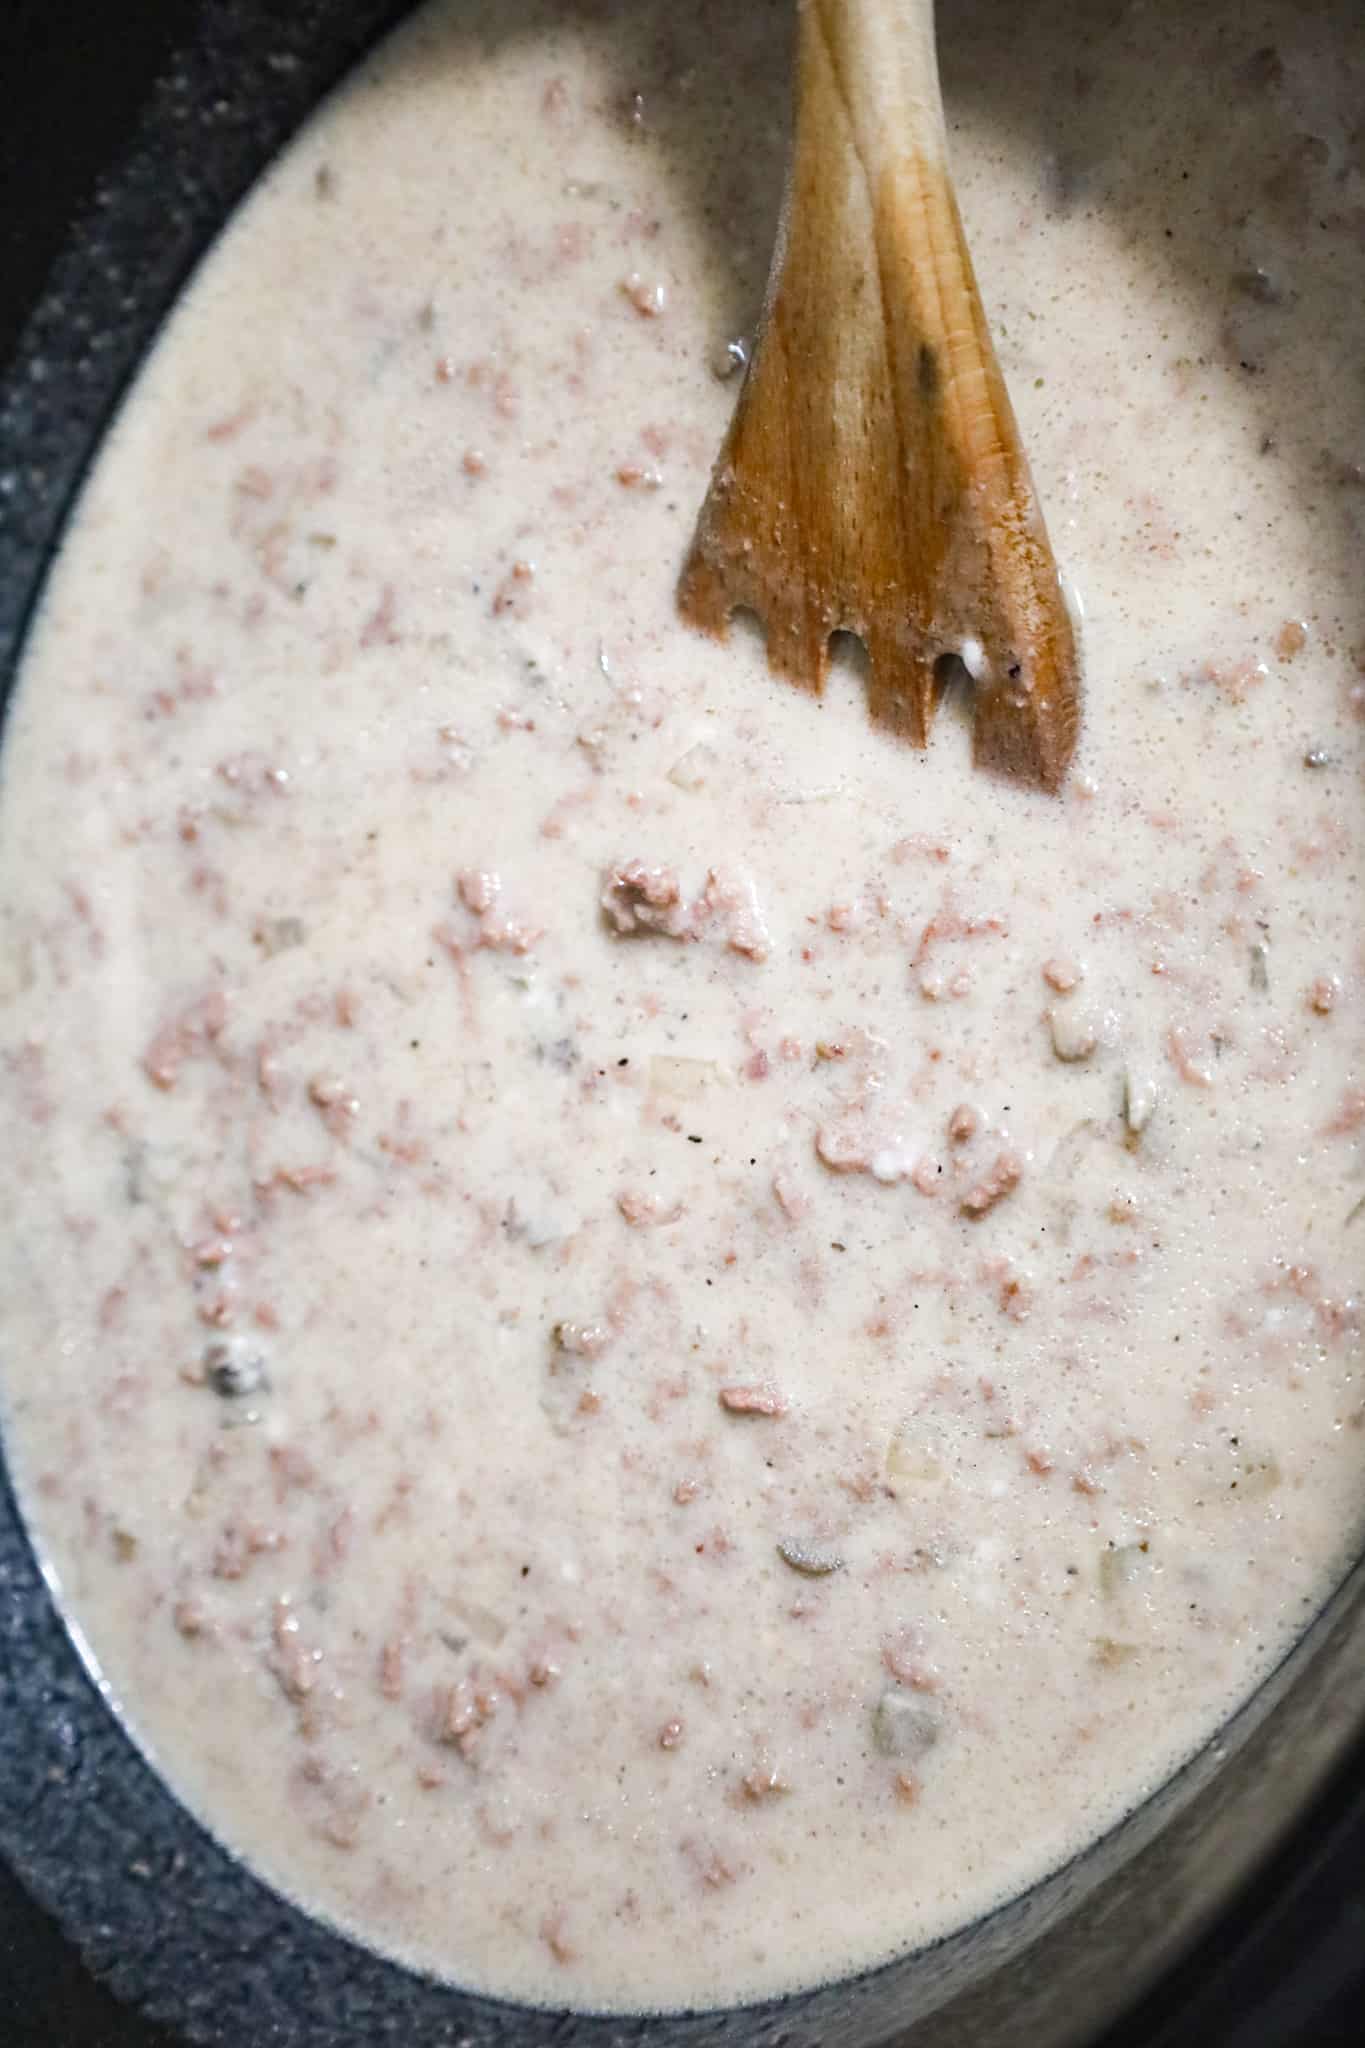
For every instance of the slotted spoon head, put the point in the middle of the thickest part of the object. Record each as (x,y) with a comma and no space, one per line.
(872,479)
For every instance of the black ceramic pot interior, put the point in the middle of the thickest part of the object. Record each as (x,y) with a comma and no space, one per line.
(159,1911)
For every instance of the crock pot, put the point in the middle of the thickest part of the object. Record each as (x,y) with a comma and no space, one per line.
(1230,1908)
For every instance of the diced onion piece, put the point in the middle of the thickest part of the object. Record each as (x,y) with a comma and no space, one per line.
(694,769)
(1118,1566)
(809,1559)
(1139,1098)
(903,1727)
(677,1074)
(908,1460)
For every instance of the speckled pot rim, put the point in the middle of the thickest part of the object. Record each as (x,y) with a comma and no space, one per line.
(162,1913)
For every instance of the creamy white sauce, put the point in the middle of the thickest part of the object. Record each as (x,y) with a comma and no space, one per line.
(665,1347)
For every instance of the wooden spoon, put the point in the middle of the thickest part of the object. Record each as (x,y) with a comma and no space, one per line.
(872,477)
